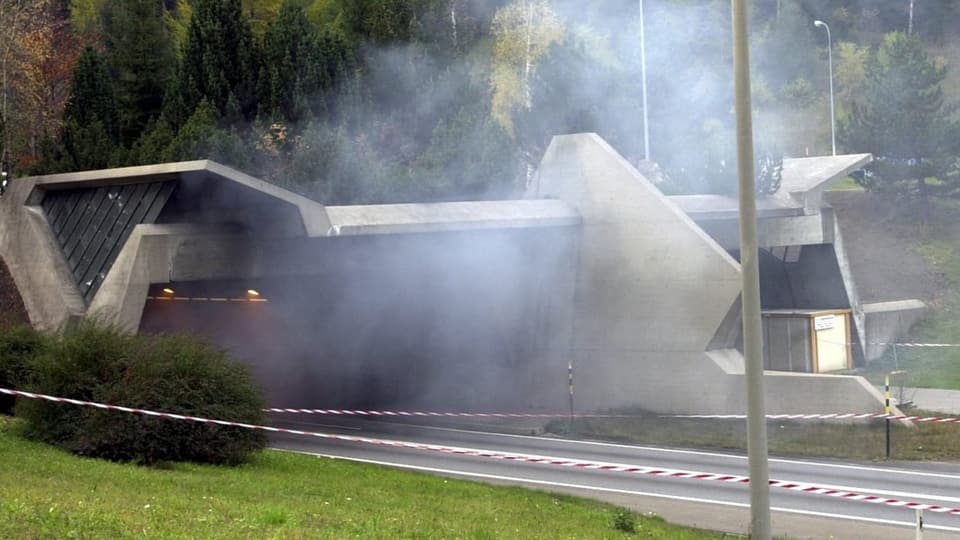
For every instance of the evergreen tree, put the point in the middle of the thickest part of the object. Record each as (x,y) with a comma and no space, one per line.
(140,51)
(90,131)
(202,138)
(299,66)
(219,62)
(380,21)
(903,121)
(154,144)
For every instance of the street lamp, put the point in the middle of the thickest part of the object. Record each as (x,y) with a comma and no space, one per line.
(833,119)
(643,84)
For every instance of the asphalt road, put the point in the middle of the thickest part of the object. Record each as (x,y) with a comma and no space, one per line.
(704,503)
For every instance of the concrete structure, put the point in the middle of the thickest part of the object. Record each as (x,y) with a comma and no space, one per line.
(473,305)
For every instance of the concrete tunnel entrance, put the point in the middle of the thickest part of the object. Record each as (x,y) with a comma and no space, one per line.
(417,335)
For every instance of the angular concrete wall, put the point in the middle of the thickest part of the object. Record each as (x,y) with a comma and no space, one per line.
(654,293)
(35,260)
(886,322)
(652,287)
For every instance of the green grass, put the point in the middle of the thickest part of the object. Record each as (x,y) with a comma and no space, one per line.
(939,244)
(47,493)
(847,184)
(852,440)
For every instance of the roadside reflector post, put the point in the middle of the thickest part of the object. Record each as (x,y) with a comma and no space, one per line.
(919,524)
(886,410)
(570,384)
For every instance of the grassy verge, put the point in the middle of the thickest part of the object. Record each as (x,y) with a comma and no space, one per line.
(861,440)
(847,184)
(932,367)
(50,494)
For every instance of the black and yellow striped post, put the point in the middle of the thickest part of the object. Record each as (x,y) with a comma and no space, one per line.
(886,410)
(570,384)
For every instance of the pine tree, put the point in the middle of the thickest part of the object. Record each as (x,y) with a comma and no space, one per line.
(202,138)
(902,119)
(141,54)
(293,75)
(219,61)
(90,131)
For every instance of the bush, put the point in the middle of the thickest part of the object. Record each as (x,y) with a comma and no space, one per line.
(19,345)
(178,374)
(623,521)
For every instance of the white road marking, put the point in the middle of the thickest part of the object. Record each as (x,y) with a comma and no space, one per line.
(705,454)
(909,496)
(619,491)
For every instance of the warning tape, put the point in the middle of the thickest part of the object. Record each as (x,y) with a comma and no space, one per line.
(898,344)
(439,414)
(829,416)
(510,456)
(435,414)
(919,344)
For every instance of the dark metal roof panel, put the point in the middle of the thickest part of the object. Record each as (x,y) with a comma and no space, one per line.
(92,224)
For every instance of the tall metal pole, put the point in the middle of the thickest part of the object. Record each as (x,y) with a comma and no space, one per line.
(833,118)
(910,21)
(750,268)
(643,84)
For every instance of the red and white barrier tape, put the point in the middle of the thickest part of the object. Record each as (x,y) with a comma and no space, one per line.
(440,414)
(510,456)
(830,416)
(919,344)
(434,414)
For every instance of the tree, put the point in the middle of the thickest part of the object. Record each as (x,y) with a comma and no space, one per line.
(177,19)
(140,52)
(902,119)
(202,138)
(379,21)
(524,30)
(26,33)
(581,86)
(85,15)
(219,62)
(299,66)
(90,130)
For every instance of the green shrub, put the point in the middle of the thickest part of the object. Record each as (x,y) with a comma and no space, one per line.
(19,345)
(624,521)
(178,374)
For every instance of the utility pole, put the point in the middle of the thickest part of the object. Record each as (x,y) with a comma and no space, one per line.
(528,93)
(643,84)
(910,20)
(453,22)
(750,270)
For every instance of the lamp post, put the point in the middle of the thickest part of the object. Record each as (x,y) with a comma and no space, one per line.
(643,84)
(833,119)
(750,272)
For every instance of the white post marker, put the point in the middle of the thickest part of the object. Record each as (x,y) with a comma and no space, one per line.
(919,524)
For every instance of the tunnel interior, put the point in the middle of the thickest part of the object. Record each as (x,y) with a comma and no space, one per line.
(454,321)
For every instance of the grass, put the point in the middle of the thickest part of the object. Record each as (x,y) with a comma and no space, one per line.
(939,244)
(852,440)
(48,493)
(847,184)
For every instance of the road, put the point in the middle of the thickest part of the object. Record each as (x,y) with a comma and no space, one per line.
(703,503)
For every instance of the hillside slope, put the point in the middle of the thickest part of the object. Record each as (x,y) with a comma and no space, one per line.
(881,246)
